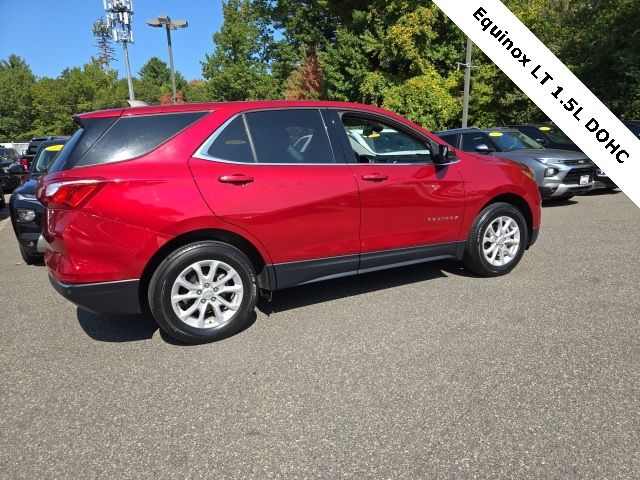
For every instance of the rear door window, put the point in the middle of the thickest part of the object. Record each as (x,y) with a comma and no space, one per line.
(295,136)
(231,144)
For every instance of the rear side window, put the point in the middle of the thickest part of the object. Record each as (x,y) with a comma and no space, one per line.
(131,137)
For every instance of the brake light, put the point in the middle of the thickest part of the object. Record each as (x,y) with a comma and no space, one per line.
(69,194)
(24,161)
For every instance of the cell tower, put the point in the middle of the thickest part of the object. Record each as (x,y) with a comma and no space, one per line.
(119,19)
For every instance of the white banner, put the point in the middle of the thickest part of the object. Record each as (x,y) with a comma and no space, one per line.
(552,87)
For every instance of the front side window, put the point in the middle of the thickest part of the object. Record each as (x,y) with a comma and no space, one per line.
(376,142)
(471,141)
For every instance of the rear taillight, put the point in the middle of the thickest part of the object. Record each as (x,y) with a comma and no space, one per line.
(24,161)
(69,194)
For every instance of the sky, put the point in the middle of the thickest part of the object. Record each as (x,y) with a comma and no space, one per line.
(52,35)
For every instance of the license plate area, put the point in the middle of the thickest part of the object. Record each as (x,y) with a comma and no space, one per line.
(585,179)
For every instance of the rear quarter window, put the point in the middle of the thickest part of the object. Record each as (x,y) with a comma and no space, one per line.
(131,137)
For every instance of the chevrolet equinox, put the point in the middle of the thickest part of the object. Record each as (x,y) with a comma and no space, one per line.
(191,212)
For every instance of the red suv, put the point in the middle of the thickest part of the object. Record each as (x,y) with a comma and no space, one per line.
(193,211)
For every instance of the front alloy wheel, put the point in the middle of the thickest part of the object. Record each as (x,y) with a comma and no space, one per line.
(497,240)
(501,241)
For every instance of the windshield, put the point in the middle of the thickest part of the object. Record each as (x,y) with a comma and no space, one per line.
(510,141)
(45,158)
(555,134)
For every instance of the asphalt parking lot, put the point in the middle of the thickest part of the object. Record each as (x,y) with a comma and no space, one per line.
(420,372)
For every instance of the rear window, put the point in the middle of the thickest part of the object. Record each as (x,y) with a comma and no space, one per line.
(131,137)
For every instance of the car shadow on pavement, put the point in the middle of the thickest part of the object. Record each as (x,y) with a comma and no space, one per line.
(130,328)
(602,191)
(327,291)
(116,328)
(558,203)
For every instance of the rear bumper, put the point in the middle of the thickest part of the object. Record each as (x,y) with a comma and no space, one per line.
(105,298)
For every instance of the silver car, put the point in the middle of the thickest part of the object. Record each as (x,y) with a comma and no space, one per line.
(560,174)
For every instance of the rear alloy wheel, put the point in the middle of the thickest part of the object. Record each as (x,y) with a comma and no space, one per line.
(203,292)
(497,240)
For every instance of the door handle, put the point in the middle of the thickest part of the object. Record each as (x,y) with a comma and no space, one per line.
(375,177)
(236,179)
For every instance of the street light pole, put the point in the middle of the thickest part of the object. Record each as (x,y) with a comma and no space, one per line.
(165,21)
(126,63)
(467,84)
(173,71)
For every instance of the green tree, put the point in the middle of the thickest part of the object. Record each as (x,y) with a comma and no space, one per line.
(238,69)
(605,51)
(155,81)
(56,100)
(399,55)
(196,92)
(16,97)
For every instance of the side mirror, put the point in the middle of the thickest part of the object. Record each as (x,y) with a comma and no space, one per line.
(444,156)
(483,148)
(542,141)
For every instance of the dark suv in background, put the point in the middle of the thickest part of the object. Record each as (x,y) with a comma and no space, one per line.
(26,211)
(560,174)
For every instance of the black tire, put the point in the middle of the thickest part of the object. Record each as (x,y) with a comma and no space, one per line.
(474,259)
(159,293)
(30,258)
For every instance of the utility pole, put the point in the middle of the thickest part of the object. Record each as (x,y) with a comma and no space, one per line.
(467,83)
(119,18)
(165,21)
